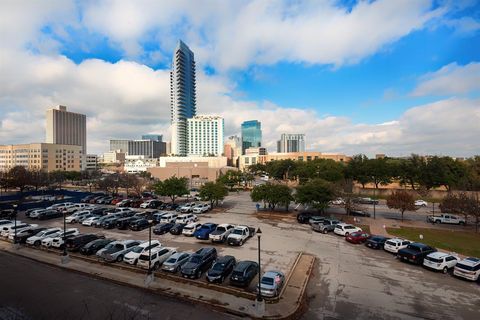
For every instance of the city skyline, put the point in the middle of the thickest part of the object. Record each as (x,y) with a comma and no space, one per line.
(411,86)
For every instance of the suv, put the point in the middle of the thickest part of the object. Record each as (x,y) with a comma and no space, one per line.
(325,226)
(304,217)
(169,217)
(243,273)
(393,245)
(190,228)
(468,268)
(344,229)
(187,207)
(49,214)
(415,252)
(175,262)
(94,246)
(186,218)
(59,241)
(78,216)
(376,242)
(199,262)
(440,261)
(27,233)
(139,224)
(119,250)
(77,242)
(201,208)
(36,240)
(132,256)
(158,256)
(124,223)
(221,269)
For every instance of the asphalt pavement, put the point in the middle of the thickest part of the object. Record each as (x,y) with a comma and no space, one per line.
(31,290)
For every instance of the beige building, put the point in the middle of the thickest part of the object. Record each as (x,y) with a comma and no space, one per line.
(65,127)
(41,156)
(113,157)
(252,158)
(136,164)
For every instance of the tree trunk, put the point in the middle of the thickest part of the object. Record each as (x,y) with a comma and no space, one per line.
(211,203)
(402,214)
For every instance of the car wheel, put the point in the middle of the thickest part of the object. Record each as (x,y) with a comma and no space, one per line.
(445,270)
(241,243)
(197,274)
(37,243)
(135,262)
(346,234)
(119,258)
(461,223)
(156,266)
(325,231)
(437,221)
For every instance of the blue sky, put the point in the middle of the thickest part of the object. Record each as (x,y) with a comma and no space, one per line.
(350,74)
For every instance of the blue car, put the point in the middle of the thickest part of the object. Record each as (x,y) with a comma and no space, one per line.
(205,231)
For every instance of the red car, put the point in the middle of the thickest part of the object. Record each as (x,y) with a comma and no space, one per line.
(357,237)
(116,200)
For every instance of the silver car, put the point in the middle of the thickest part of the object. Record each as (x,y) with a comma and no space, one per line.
(175,262)
(271,283)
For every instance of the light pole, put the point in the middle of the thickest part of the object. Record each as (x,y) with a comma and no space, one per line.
(259,294)
(374,203)
(15,219)
(64,258)
(149,278)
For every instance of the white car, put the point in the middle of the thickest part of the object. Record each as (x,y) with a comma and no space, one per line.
(158,257)
(35,213)
(145,204)
(36,240)
(60,206)
(344,229)
(186,218)
(187,207)
(132,256)
(421,203)
(201,208)
(170,217)
(395,244)
(78,206)
(440,261)
(48,242)
(190,229)
(77,216)
(10,228)
(90,221)
(468,268)
(338,202)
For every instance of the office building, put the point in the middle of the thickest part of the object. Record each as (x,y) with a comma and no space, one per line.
(91,162)
(251,135)
(147,148)
(46,157)
(232,150)
(182,96)
(65,127)
(291,143)
(152,137)
(136,164)
(205,136)
(113,157)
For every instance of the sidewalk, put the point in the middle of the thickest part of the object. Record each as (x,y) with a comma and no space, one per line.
(287,306)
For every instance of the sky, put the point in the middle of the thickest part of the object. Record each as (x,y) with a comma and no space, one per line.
(387,76)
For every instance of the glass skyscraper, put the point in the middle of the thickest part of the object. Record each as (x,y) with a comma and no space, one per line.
(182,96)
(251,135)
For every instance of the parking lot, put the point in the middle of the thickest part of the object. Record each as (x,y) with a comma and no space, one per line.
(349,281)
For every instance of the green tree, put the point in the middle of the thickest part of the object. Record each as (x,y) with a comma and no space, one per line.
(379,171)
(19,177)
(357,169)
(410,170)
(273,195)
(316,193)
(402,201)
(281,169)
(213,192)
(172,187)
(231,178)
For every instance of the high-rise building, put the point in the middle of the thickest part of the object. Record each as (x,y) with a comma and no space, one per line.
(153,137)
(147,148)
(65,127)
(291,143)
(251,135)
(232,149)
(205,136)
(182,96)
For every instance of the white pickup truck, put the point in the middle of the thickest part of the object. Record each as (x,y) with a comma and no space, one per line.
(446,218)
(239,235)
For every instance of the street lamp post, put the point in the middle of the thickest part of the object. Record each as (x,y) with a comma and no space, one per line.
(149,278)
(15,223)
(64,258)
(259,294)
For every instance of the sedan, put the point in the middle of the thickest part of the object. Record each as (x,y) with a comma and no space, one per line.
(376,242)
(177,228)
(175,262)
(163,228)
(421,203)
(271,283)
(357,237)
(221,269)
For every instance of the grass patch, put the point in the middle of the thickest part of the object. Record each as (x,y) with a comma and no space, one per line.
(463,242)
(364,227)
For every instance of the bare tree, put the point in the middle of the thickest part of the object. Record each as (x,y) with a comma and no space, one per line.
(402,201)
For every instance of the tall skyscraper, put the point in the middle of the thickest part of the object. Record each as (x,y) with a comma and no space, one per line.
(205,136)
(182,96)
(291,143)
(251,135)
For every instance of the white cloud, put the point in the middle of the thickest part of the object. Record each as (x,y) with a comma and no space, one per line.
(450,79)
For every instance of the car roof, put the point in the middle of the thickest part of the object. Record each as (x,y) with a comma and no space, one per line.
(224,225)
(471,261)
(439,254)
(242,265)
(343,224)
(272,274)
(209,224)
(224,259)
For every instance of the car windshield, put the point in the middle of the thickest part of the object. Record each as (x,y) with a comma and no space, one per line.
(171,260)
(267,281)
(137,249)
(195,259)
(414,247)
(221,229)
(218,266)
(433,259)
(465,267)
(237,231)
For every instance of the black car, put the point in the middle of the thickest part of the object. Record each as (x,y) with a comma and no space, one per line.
(93,246)
(221,269)
(171,206)
(415,252)
(163,228)
(359,213)
(77,242)
(199,262)
(376,242)
(24,235)
(124,223)
(304,217)
(139,224)
(98,211)
(177,228)
(243,273)
(49,214)
(110,223)
(154,204)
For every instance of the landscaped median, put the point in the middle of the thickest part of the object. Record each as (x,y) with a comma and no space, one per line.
(460,241)
(228,299)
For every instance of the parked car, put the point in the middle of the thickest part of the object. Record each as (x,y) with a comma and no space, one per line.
(357,237)
(49,214)
(90,220)
(421,203)
(139,224)
(111,222)
(220,270)
(177,228)
(132,256)
(239,235)
(77,242)
(93,246)
(359,213)
(6,229)
(77,207)
(124,223)
(115,201)
(36,240)
(59,241)
(171,206)
(204,232)
(152,203)
(440,261)
(136,203)
(415,252)
(59,206)
(27,233)
(199,262)
(325,226)
(187,207)
(446,218)
(201,208)
(315,219)
(304,217)
(124,203)
(344,229)
(158,256)
(163,228)
(366,201)
(119,250)
(221,233)
(243,273)
(271,283)
(101,220)
(35,213)
(376,242)
(338,202)
(190,229)
(468,268)
(169,217)
(78,216)
(175,261)
(105,200)
(87,198)
(393,245)
(186,218)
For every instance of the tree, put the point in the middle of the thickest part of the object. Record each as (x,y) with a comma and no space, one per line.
(231,178)
(379,171)
(272,194)
(19,177)
(462,203)
(281,169)
(402,201)
(357,169)
(349,203)
(172,187)
(213,192)
(110,183)
(410,170)
(316,193)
